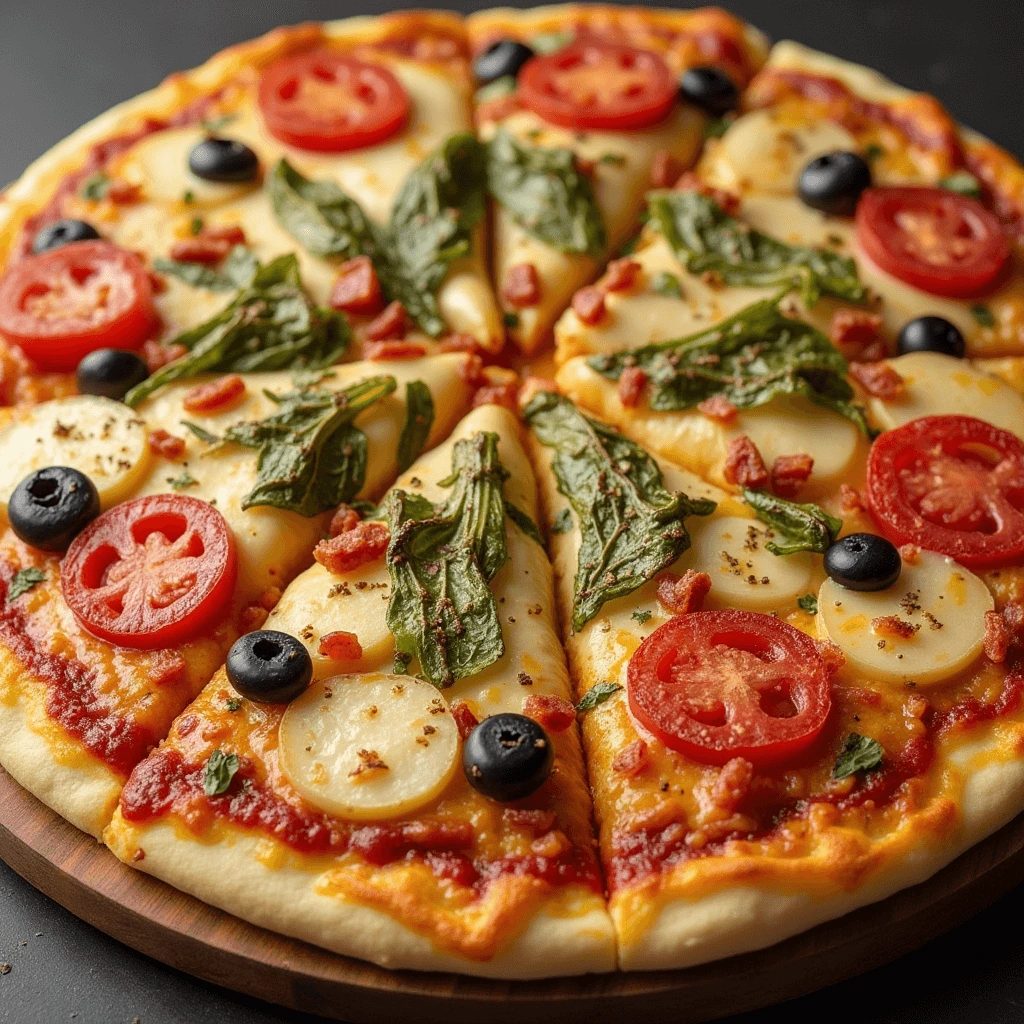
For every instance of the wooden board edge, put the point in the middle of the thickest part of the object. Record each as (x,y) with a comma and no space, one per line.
(147,915)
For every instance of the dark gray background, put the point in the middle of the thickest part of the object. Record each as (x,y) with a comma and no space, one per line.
(63,63)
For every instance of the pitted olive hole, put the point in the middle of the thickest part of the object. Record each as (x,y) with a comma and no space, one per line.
(510,739)
(45,491)
(266,650)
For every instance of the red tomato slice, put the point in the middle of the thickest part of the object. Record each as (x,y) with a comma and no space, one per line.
(936,240)
(951,484)
(598,85)
(63,304)
(152,572)
(329,102)
(723,684)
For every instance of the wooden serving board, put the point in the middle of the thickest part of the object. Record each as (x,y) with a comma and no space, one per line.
(186,934)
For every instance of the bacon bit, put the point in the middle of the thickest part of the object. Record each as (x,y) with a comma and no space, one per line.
(631,386)
(850,499)
(187,724)
(632,759)
(357,288)
(790,473)
(588,305)
(832,655)
(744,466)
(391,325)
(497,394)
(210,246)
(620,275)
(252,617)
(680,595)
(521,287)
(997,638)
(166,445)
(718,408)
(732,785)
(878,379)
(529,819)
(269,597)
(729,202)
(340,646)
(855,332)
(461,342)
(167,668)
(138,855)
(665,169)
(382,351)
(584,166)
(713,279)
(471,370)
(497,109)
(892,627)
(345,518)
(217,396)
(555,713)
(1013,616)
(157,282)
(157,355)
(910,553)
(123,193)
(464,719)
(365,542)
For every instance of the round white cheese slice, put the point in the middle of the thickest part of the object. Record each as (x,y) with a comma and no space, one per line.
(104,439)
(744,573)
(938,385)
(369,746)
(926,627)
(766,153)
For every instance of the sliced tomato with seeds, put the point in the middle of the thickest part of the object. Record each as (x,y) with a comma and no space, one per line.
(952,484)
(330,102)
(601,86)
(722,684)
(63,304)
(934,239)
(152,572)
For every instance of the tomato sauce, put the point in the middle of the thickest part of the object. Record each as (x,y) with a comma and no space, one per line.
(167,783)
(72,700)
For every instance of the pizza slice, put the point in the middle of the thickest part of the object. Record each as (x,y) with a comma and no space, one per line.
(422,802)
(143,541)
(348,143)
(580,109)
(860,192)
(780,726)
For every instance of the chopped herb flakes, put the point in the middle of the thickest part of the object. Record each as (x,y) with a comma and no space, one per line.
(597,695)
(563,522)
(641,616)
(860,754)
(23,581)
(809,603)
(219,771)
(983,315)
(668,285)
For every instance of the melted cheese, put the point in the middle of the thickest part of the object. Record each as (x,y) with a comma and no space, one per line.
(104,439)
(938,385)
(619,187)
(273,543)
(369,746)
(785,426)
(938,603)
(372,176)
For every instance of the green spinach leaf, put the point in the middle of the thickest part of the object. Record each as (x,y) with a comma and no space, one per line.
(311,456)
(545,194)
(237,271)
(524,522)
(632,527)
(752,357)
(219,771)
(705,238)
(431,223)
(270,325)
(798,527)
(419,418)
(441,559)
(859,754)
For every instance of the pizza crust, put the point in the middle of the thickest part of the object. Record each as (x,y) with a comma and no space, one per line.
(233,875)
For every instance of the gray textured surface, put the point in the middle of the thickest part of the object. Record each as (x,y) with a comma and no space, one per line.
(62,63)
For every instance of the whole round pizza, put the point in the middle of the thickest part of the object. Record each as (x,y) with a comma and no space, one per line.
(525,495)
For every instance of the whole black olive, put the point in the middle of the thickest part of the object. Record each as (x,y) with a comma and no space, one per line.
(931,334)
(110,373)
(507,757)
(503,59)
(269,666)
(709,88)
(833,183)
(51,506)
(863,561)
(223,160)
(60,232)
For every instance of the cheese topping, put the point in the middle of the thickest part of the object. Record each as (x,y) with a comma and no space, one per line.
(369,746)
(925,628)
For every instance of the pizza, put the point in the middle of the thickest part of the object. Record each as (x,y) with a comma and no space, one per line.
(526,495)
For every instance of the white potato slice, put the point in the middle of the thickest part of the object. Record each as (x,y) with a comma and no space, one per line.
(369,746)
(938,385)
(939,603)
(104,439)
(744,573)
